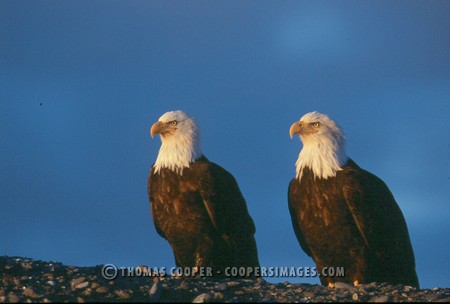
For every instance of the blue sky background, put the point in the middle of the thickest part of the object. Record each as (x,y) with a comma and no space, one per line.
(81,82)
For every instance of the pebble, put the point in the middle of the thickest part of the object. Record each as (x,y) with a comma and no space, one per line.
(122,294)
(221,287)
(202,298)
(102,289)
(309,294)
(82,285)
(218,295)
(13,298)
(341,285)
(75,282)
(156,287)
(29,292)
(380,299)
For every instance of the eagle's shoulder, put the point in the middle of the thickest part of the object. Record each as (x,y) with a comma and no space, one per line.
(205,170)
(359,182)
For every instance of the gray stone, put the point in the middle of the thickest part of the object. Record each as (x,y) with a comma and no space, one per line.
(102,289)
(184,286)
(82,285)
(379,299)
(75,282)
(155,291)
(218,295)
(122,294)
(202,298)
(341,285)
(29,292)
(87,292)
(309,294)
(13,298)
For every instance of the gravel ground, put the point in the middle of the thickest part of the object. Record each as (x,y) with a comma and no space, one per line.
(27,280)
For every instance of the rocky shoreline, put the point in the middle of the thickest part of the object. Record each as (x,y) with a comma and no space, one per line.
(28,280)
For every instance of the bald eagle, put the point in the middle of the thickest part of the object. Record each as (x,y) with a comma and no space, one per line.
(197,205)
(344,216)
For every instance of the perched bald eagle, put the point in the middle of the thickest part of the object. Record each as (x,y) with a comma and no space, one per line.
(197,205)
(344,216)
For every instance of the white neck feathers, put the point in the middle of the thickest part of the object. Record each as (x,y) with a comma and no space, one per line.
(179,150)
(324,155)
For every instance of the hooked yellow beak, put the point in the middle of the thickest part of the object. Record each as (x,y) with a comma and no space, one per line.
(156,128)
(295,129)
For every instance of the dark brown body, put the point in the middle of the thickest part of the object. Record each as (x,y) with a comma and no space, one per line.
(352,221)
(204,216)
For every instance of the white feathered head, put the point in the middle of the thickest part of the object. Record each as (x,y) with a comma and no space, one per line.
(180,138)
(323,145)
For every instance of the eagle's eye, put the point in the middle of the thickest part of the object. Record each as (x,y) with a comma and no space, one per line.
(317,124)
(174,122)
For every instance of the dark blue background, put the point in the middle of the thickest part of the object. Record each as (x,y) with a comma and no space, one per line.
(82,82)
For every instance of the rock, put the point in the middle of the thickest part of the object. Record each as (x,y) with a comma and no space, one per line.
(218,295)
(75,282)
(102,289)
(309,294)
(122,294)
(355,296)
(221,287)
(379,299)
(94,285)
(202,298)
(341,285)
(51,283)
(432,297)
(29,292)
(445,300)
(80,300)
(82,285)
(13,298)
(87,292)
(155,291)
(184,286)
